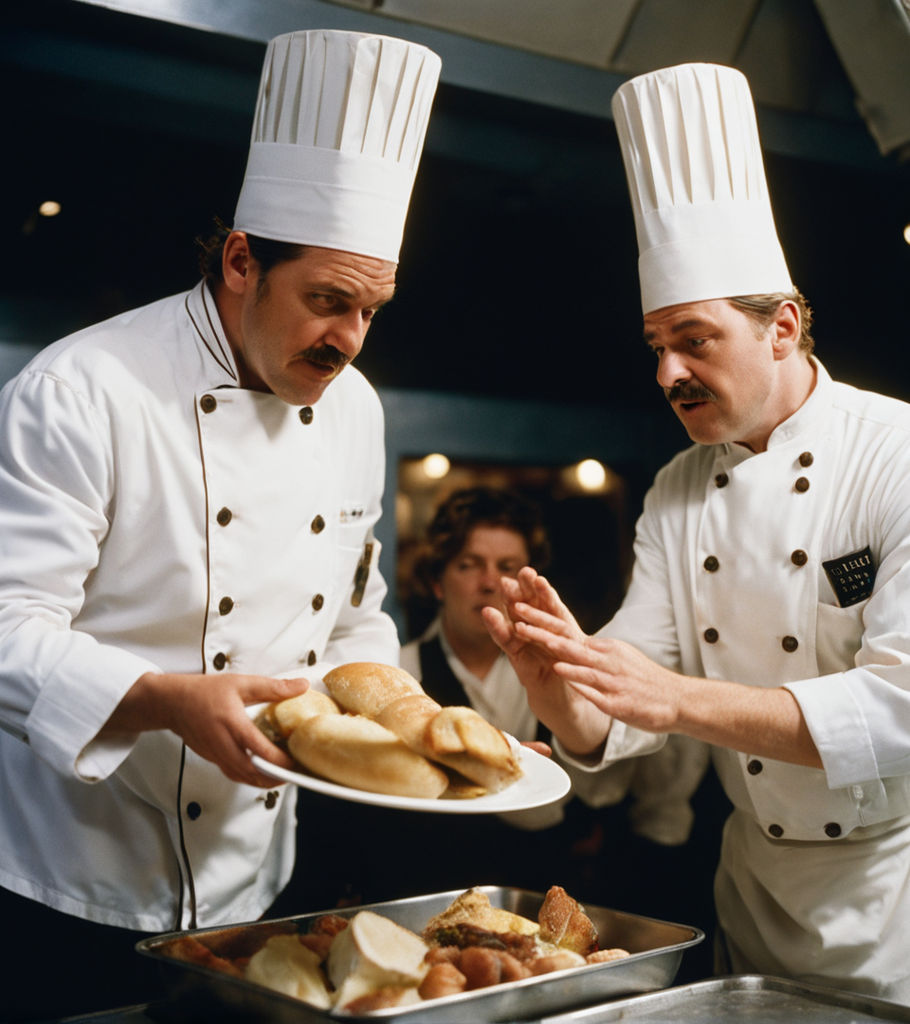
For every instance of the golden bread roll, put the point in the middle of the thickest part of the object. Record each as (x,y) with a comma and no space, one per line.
(282,717)
(355,751)
(365,687)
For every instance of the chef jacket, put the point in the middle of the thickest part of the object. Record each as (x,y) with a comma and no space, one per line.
(155,516)
(791,567)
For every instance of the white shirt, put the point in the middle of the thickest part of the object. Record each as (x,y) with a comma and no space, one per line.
(156,517)
(834,480)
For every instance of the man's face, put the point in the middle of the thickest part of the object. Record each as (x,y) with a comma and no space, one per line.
(307,319)
(471,579)
(716,371)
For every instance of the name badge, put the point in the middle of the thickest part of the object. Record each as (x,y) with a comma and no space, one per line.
(851,576)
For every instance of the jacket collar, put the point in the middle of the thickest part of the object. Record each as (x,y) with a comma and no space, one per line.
(219,363)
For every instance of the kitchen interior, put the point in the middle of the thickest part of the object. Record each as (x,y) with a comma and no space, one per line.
(512,354)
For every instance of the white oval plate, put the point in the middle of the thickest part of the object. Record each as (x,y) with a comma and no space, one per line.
(543,782)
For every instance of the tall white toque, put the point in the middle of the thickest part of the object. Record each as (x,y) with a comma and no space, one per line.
(693,162)
(337,136)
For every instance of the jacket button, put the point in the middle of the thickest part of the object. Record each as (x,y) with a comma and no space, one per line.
(311,658)
(832,830)
(711,563)
(317,525)
(225,605)
(754,767)
(220,660)
(318,602)
(306,415)
(799,557)
(789,644)
(711,635)
(806,459)
(721,480)
(802,484)
(776,831)
(193,810)
(207,403)
(224,516)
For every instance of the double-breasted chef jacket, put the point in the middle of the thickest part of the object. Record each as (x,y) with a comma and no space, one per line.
(154,516)
(792,567)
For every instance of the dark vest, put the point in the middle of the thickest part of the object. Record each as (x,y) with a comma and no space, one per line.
(441,683)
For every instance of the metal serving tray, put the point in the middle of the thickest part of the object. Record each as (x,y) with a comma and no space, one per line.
(656,947)
(745,998)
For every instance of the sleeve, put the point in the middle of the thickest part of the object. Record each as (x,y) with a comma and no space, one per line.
(57,685)
(860,718)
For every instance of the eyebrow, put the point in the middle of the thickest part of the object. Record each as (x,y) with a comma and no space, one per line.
(679,328)
(344,293)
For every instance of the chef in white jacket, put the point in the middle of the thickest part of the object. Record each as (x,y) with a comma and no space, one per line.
(769,610)
(187,500)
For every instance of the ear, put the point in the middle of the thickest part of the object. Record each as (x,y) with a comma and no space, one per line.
(236,262)
(786,329)
(437,591)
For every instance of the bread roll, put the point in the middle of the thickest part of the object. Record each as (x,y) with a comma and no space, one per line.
(365,687)
(355,751)
(281,718)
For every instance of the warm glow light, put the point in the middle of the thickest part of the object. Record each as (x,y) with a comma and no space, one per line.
(435,466)
(591,474)
(907,234)
(49,208)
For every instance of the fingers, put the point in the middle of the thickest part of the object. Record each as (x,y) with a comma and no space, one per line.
(259,689)
(539,747)
(497,626)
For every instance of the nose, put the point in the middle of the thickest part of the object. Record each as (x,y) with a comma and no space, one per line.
(489,580)
(347,332)
(671,369)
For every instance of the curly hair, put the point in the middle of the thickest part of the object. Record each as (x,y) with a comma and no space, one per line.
(761,310)
(471,507)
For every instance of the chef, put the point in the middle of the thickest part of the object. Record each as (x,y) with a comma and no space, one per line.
(769,610)
(187,500)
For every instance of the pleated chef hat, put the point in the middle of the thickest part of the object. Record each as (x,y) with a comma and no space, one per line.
(337,135)
(693,162)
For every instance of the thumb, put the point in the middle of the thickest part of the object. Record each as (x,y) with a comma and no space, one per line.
(259,689)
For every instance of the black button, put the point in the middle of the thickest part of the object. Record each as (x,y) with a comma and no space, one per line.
(806,459)
(789,644)
(193,810)
(799,557)
(306,415)
(711,635)
(207,403)
(219,661)
(311,658)
(225,605)
(318,602)
(271,798)
(832,830)
(317,525)
(776,831)
(711,563)
(802,484)
(754,767)
(721,480)
(224,516)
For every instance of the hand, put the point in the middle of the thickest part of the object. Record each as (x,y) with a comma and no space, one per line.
(529,599)
(208,712)
(614,676)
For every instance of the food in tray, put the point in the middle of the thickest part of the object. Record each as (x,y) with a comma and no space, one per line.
(377,730)
(368,962)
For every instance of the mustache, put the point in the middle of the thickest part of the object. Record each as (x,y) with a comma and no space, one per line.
(325,355)
(689,391)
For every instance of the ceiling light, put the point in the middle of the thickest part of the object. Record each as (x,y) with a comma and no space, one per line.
(591,474)
(435,466)
(49,208)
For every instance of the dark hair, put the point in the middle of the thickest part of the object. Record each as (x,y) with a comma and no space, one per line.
(762,309)
(470,507)
(265,251)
